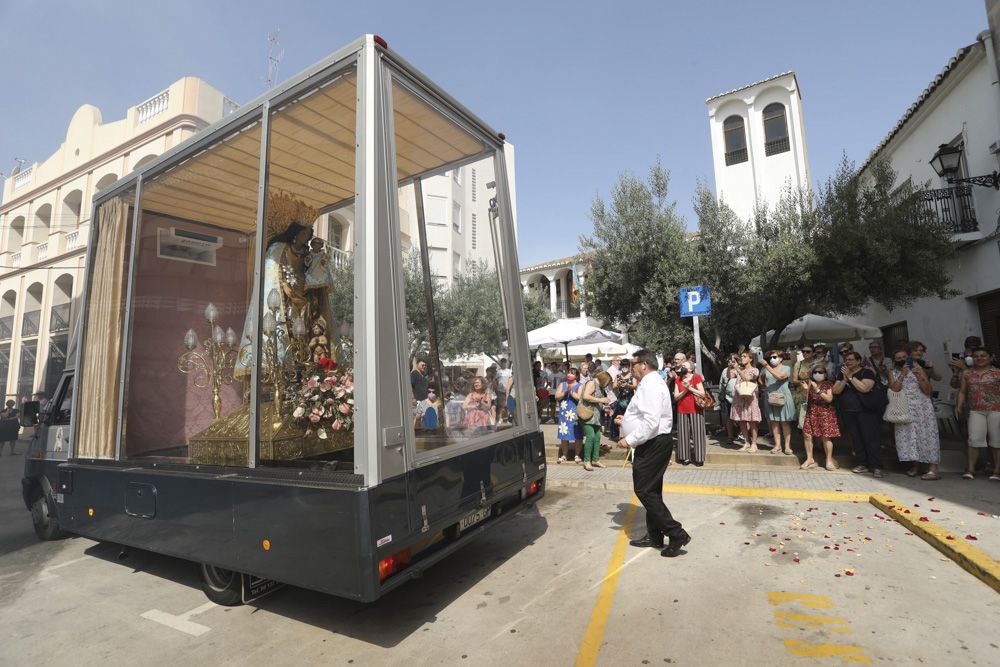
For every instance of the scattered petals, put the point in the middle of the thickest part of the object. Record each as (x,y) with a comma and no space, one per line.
(971,537)
(795,560)
(923,518)
(772,549)
(935,510)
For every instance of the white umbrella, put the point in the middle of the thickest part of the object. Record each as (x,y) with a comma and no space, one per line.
(811,328)
(563,333)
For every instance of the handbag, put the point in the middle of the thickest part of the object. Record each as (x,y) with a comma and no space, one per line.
(898,410)
(584,412)
(776,399)
(706,402)
(746,388)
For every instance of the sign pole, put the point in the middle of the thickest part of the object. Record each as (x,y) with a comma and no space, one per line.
(697,347)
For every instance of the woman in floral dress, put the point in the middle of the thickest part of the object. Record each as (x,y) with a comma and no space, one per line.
(478,405)
(820,420)
(746,409)
(918,441)
(569,428)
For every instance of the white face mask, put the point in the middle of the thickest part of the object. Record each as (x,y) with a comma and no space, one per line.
(968,361)
(819,377)
(775,361)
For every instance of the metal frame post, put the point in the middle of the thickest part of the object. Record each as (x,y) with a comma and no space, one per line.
(256,300)
(126,346)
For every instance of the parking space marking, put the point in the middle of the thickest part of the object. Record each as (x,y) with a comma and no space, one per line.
(592,638)
(797,647)
(48,574)
(181,622)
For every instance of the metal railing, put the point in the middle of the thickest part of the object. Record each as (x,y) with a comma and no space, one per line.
(776,146)
(737,156)
(59,318)
(31,323)
(953,207)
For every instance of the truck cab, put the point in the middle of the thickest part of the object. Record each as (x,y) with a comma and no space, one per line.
(49,447)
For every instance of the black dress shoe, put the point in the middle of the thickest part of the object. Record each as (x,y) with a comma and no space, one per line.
(699,464)
(676,543)
(685,462)
(646,541)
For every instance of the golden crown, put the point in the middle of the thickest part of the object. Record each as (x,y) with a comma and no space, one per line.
(283,209)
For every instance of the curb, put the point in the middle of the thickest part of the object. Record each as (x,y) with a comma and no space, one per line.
(706,490)
(972,559)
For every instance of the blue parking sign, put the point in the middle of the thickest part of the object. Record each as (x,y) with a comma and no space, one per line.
(695,301)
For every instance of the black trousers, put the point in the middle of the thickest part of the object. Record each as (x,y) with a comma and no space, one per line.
(648,465)
(865,431)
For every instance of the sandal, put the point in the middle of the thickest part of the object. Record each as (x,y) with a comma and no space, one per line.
(968,475)
(598,464)
(577,459)
(912,472)
(753,450)
(929,476)
(744,448)
(807,465)
(830,465)
(995,477)
(586,466)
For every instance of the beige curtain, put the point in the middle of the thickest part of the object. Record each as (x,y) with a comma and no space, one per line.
(98,384)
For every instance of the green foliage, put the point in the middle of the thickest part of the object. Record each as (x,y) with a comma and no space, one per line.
(862,239)
(639,260)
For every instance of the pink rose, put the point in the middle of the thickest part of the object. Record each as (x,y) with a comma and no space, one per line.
(337,425)
(345,409)
(314,418)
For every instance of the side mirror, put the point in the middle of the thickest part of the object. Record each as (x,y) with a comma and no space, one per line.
(29,413)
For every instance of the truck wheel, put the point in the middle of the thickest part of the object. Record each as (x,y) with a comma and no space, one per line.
(222,586)
(44,518)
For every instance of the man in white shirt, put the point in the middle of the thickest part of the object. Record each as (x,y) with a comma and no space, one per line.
(646,428)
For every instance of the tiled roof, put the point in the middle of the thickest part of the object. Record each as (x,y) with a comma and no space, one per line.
(928,91)
(565,261)
(750,85)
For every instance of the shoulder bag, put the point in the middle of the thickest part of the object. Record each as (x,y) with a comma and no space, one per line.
(706,402)
(775,399)
(584,412)
(875,400)
(746,388)
(898,410)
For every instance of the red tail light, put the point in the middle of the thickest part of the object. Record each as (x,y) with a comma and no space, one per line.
(381,42)
(534,487)
(390,565)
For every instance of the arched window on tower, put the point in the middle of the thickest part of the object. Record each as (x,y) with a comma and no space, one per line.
(775,129)
(736,140)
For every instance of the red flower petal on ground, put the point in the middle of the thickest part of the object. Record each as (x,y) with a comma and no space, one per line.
(932,498)
(949,537)
(861,517)
(923,518)
(746,543)
(868,539)
(982,513)
(772,549)
(933,510)
(971,537)
(833,513)
(722,523)
(906,511)
(795,560)
(908,533)
(849,573)
(837,575)
(784,553)
(826,547)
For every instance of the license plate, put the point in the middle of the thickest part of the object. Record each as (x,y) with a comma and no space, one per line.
(255,587)
(474,518)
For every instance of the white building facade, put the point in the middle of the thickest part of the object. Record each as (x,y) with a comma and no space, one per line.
(758,143)
(960,108)
(45,223)
(555,284)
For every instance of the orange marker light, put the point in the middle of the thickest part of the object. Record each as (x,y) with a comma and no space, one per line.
(90,511)
(266,544)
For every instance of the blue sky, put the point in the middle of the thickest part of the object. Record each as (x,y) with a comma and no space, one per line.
(585,90)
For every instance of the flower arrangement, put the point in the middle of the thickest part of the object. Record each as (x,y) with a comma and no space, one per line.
(324,401)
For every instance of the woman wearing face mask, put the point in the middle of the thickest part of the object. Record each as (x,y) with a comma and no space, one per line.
(820,419)
(691,443)
(780,406)
(918,441)
(746,409)
(862,423)
(569,426)
(917,352)
(981,385)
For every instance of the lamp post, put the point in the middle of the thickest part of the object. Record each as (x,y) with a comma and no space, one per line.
(946,162)
(213,366)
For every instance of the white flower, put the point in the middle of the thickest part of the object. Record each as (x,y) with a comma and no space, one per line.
(563,429)
(321,433)
(564,405)
(299,411)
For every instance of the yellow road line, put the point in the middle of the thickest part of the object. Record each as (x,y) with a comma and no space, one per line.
(592,638)
(976,561)
(749,492)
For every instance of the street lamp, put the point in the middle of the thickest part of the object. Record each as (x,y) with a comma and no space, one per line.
(946,162)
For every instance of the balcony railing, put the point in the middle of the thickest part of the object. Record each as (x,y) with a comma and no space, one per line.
(22,178)
(953,207)
(154,106)
(776,146)
(737,156)
(6,327)
(339,258)
(72,240)
(15,260)
(59,318)
(43,251)
(31,323)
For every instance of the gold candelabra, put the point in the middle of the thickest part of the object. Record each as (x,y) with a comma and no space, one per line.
(213,365)
(277,367)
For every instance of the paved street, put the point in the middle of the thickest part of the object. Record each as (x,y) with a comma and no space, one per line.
(558,584)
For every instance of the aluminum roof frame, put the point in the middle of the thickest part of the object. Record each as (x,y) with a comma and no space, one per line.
(253,111)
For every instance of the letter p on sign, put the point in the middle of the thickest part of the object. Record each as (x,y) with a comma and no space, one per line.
(695,301)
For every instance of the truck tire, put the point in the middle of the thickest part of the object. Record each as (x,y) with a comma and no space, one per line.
(44,517)
(222,586)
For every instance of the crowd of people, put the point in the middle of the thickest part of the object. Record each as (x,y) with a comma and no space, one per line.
(467,402)
(869,400)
